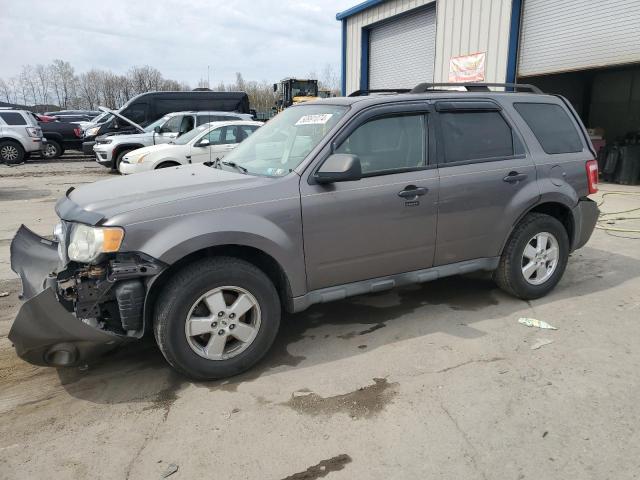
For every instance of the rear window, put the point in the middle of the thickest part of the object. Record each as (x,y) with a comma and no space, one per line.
(13,118)
(475,136)
(552,127)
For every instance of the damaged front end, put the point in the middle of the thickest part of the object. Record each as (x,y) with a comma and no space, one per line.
(74,311)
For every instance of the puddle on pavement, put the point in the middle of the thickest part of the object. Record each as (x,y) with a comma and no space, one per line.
(364,402)
(322,469)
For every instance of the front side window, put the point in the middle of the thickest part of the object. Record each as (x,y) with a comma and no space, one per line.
(388,143)
(172,125)
(283,143)
(475,136)
(552,127)
(13,118)
(214,136)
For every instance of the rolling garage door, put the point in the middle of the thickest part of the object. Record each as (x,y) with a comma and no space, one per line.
(402,51)
(564,35)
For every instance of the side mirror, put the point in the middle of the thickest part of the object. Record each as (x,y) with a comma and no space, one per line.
(339,167)
(156,129)
(203,143)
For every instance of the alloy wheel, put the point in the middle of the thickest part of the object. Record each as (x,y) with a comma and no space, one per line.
(540,258)
(9,153)
(223,323)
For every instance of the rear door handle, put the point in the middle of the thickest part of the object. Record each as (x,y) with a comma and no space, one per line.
(515,177)
(411,191)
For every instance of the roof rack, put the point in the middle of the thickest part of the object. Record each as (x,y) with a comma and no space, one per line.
(477,87)
(360,93)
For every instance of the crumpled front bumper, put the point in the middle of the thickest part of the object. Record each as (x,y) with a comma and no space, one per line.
(44,331)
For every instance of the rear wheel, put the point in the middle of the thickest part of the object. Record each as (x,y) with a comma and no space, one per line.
(52,150)
(534,258)
(217,318)
(11,152)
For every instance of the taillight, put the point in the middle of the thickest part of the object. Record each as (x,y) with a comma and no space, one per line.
(592,176)
(78,132)
(34,131)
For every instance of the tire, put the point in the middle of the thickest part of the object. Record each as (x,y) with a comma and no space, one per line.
(11,152)
(179,300)
(119,157)
(167,165)
(52,150)
(510,275)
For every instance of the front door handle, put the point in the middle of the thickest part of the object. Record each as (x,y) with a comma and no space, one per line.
(515,177)
(411,191)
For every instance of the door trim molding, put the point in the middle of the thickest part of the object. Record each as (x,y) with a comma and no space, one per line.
(338,292)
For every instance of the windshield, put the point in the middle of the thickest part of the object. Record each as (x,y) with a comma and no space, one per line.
(101,118)
(157,123)
(191,134)
(284,142)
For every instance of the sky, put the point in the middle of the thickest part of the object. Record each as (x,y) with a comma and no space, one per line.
(262,39)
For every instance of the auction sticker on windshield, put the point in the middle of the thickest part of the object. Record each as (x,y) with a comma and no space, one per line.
(319,119)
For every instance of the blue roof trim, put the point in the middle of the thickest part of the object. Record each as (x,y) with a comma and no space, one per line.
(357,9)
(514,41)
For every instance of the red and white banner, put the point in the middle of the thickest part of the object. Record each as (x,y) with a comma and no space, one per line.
(467,68)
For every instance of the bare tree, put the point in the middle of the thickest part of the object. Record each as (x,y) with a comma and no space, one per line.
(43,83)
(89,84)
(63,81)
(329,79)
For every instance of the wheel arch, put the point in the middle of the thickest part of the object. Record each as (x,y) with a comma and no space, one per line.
(125,146)
(556,208)
(257,257)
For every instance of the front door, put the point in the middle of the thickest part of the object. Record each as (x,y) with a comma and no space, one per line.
(487,180)
(169,130)
(384,223)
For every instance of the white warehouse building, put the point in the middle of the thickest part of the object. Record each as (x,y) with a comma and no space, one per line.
(586,50)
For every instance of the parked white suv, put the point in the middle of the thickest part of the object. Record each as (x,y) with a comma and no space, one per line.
(111,149)
(208,142)
(20,136)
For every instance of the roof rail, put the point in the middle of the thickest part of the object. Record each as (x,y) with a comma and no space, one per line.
(477,87)
(360,93)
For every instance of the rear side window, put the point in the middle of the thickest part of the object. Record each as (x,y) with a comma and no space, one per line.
(552,127)
(13,118)
(475,136)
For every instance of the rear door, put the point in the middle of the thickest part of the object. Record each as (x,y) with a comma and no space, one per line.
(487,179)
(374,226)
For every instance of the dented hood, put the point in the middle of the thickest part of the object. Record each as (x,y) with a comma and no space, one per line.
(153,192)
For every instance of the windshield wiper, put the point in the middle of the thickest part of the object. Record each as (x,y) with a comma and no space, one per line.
(236,166)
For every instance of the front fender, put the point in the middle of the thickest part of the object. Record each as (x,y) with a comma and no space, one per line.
(275,231)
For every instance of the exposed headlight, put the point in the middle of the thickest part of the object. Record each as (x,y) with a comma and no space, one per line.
(91,132)
(87,243)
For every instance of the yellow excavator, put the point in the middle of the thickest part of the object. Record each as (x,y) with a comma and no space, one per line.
(293,90)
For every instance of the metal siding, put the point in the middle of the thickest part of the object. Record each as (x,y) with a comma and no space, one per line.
(401,52)
(567,35)
(471,26)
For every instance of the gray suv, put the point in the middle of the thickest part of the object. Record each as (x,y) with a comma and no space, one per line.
(331,198)
(20,136)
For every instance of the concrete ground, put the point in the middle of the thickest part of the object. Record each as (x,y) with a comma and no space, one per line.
(433,381)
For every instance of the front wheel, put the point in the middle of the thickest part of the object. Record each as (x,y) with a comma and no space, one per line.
(534,258)
(217,318)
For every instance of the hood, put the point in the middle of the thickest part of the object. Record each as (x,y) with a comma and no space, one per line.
(105,199)
(154,149)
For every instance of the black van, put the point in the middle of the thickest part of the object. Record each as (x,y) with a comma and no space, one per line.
(148,107)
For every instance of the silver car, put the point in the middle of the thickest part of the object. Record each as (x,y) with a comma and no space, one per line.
(20,136)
